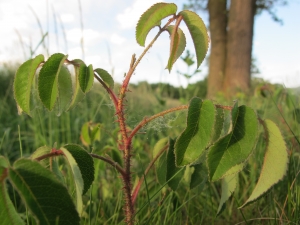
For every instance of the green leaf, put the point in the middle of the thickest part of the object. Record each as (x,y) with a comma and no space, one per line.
(55,169)
(86,77)
(65,90)
(161,169)
(218,126)
(275,162)
(160,164)
(177,44)
(199,176)
(235,147)
(235,169)
(82,167)
(45,197)
(106,77)
(3,162)
(116,156)
(85,163)
(77,178)
(151,18)
(174,174)
(85,134)
(23,82)
(78,94)
(198,32)
(159,145)
(8,214)
(95,131)
(39,152)
(90,132)
(228,186)
(48,80)
(194,139)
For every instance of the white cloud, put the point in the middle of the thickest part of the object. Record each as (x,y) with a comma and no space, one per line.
(117,39)
(75,53)
(89,35)
(67,18)
(131,15)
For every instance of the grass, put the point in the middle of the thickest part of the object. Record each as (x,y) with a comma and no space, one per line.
(157,204)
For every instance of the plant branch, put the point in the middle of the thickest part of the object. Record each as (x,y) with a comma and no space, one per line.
(147,120)
(109,90)
(126,142)
(135,63)
(138,186)
(224,107)
(51,154)
(111,162)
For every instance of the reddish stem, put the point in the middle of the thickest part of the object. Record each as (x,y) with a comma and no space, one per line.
(109,90)
(4,175)
(147,120)
(224,107)
(53,153)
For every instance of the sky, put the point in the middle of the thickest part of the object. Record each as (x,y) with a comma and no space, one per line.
(109,38)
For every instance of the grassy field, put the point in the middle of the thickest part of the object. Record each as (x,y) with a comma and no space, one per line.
(21,135)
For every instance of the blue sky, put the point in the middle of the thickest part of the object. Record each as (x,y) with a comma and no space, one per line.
(109,38)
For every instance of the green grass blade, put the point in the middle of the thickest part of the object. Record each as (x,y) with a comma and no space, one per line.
(48,80)
(177,45)
(198,32)
(151,18)
(275,162)
(46,197)
(8,214)
(23,82)
(106,77)
(194,139)
(235,147)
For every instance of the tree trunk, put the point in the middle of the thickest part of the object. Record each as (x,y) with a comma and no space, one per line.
(217,25)
(239,46)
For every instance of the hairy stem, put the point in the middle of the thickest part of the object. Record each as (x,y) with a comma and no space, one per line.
(138,186)
(147,120)
(105,159)
(126,142)
(109,91)
(51,154)
(224,107)
(135,64)
(125,145)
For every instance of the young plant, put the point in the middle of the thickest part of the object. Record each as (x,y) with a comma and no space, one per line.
(222,138)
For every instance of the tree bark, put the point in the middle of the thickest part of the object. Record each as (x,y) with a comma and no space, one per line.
(239,46)
(218,23)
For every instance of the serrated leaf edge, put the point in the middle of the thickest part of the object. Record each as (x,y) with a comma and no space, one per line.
(156,24)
